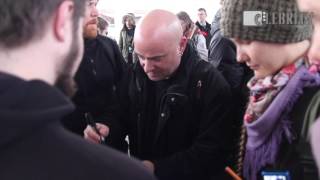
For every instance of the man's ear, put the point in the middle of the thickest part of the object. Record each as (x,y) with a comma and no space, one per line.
(183,44)
(62,20)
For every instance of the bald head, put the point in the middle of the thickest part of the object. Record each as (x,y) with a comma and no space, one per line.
(159,44)
(159,24)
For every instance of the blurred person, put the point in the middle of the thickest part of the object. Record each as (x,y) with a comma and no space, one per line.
(313,6)
(103,27)
(41,47)
(175,105)
(126,38)
(192,32)
(98,76)
(203,25)
(223,56)
(274,137)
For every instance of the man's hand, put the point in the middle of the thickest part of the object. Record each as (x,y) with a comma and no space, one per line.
(149,165)
(91,135)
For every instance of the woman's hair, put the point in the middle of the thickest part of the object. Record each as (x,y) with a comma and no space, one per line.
(183,16)
(242,149)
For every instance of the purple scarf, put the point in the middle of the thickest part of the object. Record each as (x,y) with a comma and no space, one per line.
(266,133)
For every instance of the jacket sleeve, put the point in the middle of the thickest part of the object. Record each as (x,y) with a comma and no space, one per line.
(222,55)
(202,47)
(111,114)
(121,42)
(211,146)
(215,51)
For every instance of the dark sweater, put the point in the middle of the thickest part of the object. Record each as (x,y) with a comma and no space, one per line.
(35,146)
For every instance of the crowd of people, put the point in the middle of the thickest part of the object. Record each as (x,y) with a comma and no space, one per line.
(172,99)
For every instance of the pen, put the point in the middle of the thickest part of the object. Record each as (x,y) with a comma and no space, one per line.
(232,173)
(91,122)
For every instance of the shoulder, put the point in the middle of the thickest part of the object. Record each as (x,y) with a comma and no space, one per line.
(105,40)
(209,75)
(101,161)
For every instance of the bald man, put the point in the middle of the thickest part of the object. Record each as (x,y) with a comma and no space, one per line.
(176,105)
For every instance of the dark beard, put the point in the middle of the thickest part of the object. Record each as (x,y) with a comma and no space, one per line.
(65,81)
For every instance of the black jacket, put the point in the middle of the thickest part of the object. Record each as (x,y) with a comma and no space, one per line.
(181,123)
(223,55)
(35,146)
(100,71)
(205,30)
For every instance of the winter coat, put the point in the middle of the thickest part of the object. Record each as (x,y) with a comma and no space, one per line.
(205,30)
(200,45)
(222,55)
(34,144)
(296,157)
(126,45)
(181,124)
(284,145)
(97,78)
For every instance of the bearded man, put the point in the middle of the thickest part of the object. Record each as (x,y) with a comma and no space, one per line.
(100,71)
(41,46)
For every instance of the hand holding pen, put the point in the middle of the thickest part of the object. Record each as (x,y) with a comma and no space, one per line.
(95,132)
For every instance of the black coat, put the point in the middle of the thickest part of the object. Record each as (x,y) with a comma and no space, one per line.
(35,146)
(205,30)
(100,71)
(223,55)
(181,123)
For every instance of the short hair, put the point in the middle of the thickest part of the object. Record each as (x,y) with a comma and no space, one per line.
(102,24)
(23,21)
(202,9)
(183,16)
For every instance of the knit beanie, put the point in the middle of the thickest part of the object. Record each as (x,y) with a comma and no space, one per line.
(275,21)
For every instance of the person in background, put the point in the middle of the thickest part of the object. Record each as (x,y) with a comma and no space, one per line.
(100,71)
(102,26)
(176,107)
(126,38)
(274,136)
(192,33)
(203,25)
(41,47)
(223,56)
(313,6)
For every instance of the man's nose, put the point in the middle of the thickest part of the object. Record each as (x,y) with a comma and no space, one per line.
(94,12)
(148,66)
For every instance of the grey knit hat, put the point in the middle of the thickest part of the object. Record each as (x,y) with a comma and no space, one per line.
(277,21)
